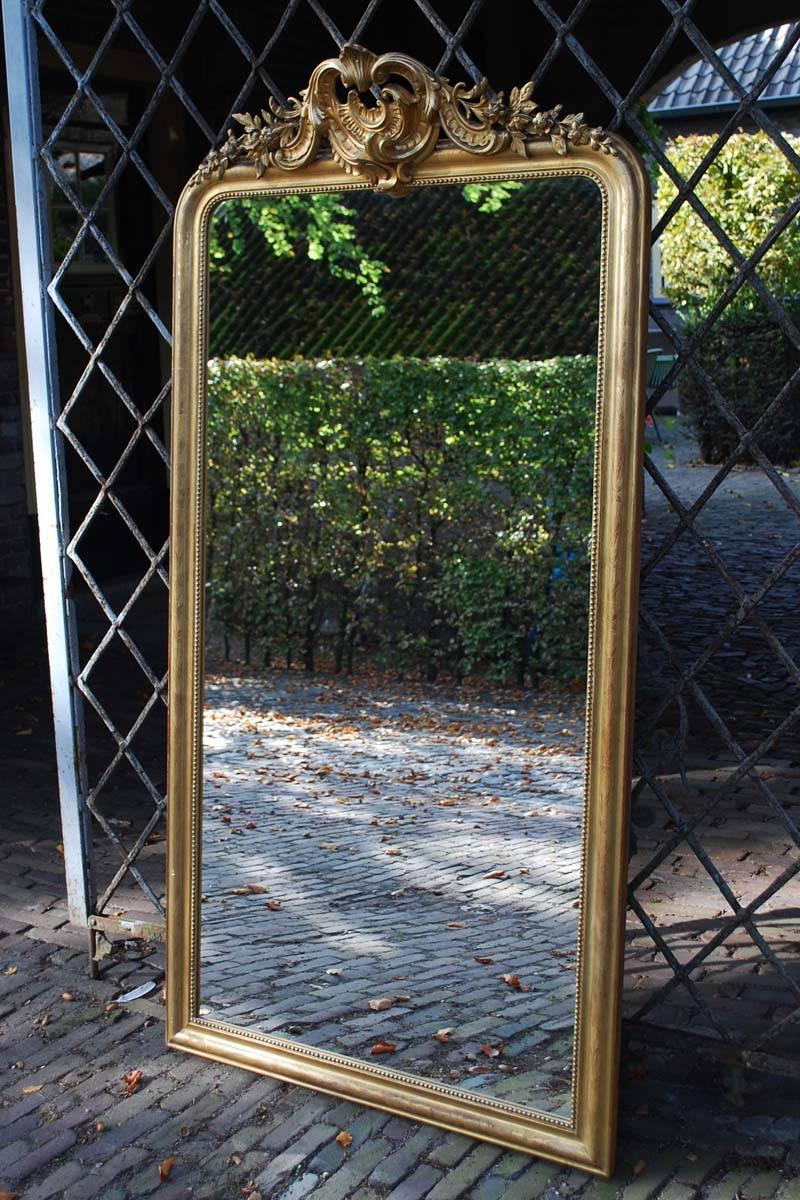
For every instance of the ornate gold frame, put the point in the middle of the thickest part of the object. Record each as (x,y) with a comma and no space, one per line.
(396,145)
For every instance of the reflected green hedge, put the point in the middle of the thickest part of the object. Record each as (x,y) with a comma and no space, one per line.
(431,515)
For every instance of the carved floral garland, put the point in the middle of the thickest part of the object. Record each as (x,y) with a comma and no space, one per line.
(383,141)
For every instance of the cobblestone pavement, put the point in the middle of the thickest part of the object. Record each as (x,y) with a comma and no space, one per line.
(417,849)
(750,840)
(689,1128)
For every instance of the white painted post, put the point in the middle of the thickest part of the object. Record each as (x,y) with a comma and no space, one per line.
(33,245)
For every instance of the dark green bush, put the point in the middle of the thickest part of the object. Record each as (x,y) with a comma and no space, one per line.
(750,359)
(426,514)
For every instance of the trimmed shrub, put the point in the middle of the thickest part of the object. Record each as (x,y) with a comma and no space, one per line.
(746,188)
(432,515)
(750,359)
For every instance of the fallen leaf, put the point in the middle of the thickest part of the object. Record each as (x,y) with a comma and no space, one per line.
(67,996)
(393,853)
(250,889)
(234,1160)
(383,1048)
(330,846)
(344,1139)
(483,960)
(456,925)
(131,1079)
(274,905)
(165,1169)
(443,1035)
(495,875)
(380,1005)
(639,1167)
(490,1051)
(447,804)
(514,982)
(10,970)
(8,1195)
(251,825)
(333,971)
(31,1088)
(100,1126)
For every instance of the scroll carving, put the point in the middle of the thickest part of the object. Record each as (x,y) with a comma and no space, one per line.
(394,113)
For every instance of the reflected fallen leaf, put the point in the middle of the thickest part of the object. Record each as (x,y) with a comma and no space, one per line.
(8,1195)
(131,1079)
(165,1169)
(490,1051)
(10,970)
(274,905)
(514,982)
(344,1139)
(383,1048)
(456,925)
(484,960)
(234,1160)
(495,875)
(99,1126)
(67,996)
(639,1167)
(447,804)
(31,1089)
(381,1004)
(443,1035)
(250,889)
(330,846)
(333,971)
(393,853)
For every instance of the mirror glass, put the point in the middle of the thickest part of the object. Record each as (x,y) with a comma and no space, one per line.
(400,436)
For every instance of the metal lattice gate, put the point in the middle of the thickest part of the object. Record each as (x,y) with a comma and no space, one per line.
(141,90)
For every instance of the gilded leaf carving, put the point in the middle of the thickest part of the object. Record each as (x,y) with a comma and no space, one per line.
(385,136)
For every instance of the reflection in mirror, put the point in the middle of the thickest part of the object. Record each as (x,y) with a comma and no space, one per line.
(401,406)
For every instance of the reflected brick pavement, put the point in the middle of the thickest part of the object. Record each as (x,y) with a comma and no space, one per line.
(405,833)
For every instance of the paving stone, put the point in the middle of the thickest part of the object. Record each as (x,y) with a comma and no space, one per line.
(761,1185)
(396,1166)
(451,1150)
(698,1166)
(353,1171)
(727,1187)
(468,1171)
(677,1191)
(533,1182)
(55,1183)
(296,1154)
(417,1185)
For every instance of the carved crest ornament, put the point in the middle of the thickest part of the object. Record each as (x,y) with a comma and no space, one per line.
(393,115)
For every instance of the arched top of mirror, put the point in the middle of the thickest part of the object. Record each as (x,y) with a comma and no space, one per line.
(383,115)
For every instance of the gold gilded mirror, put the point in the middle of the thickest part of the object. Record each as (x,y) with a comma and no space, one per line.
(407,431)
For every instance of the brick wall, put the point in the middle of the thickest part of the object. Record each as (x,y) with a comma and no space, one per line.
(17,576)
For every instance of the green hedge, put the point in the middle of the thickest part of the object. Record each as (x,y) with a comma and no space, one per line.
(750,359)
(430,515)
